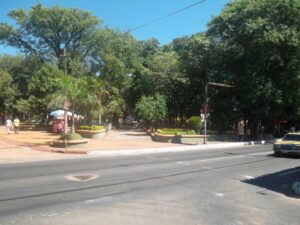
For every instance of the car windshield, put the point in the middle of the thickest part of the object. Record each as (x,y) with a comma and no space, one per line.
(292,137)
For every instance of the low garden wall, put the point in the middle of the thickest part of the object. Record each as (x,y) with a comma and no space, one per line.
(70,143)
(92,134)
(182,139)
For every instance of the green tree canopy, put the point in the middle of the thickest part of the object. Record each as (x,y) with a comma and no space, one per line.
(76,93)
(152,109)
(260,46)
(46,31)
(7,90)
(116,55)
(42,85)
(194,55)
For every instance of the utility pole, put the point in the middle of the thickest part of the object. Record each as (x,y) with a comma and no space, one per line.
(205,113)
(65,101)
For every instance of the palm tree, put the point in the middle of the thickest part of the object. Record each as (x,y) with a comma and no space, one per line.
(76,91)
(99,89)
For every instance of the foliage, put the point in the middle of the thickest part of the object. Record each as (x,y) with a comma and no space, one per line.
(194,55)
(116,55)
(161,75)
(259,46)
(70,137)
(114,108)
(7,90)
(195,122)
(253,45)
(175,131)
(20,71)
(47,31)
(224,110)
(43,83)
(76,92)
(152,109)
(23,106)
(91,128)
(100,89)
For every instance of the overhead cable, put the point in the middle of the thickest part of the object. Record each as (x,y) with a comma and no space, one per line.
(167,15)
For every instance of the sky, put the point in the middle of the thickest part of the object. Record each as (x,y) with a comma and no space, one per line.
(128,14)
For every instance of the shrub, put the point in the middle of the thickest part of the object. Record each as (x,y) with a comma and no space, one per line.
(97,128)
(92,128)
(84,128)
(189,132)
(195,123)
(175,131)
(71,137)
(152,109)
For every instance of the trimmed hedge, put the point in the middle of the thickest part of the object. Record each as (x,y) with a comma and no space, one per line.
(174,131)
(91,128)
(71,137)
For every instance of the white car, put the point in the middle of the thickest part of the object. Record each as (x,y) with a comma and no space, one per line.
(289,144)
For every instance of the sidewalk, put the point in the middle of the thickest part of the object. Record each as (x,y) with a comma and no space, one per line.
(35,145)
(27,146)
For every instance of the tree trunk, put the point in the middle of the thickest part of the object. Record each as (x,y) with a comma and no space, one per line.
(100,116)
(73,121)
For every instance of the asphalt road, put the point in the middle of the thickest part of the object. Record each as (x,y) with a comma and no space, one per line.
(223,186)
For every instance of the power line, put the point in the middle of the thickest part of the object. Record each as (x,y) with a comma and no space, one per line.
(165,16)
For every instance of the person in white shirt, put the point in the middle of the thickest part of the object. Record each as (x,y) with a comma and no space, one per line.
(8,125)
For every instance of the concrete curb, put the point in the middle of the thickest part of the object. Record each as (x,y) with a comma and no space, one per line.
(172,149)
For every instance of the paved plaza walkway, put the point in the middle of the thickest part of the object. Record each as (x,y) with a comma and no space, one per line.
(34,145)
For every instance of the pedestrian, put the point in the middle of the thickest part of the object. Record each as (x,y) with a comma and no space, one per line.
(8,125)
(241,132)
(17,125)
(59,127)
(292,129)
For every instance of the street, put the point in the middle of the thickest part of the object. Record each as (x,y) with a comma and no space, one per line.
(242,185)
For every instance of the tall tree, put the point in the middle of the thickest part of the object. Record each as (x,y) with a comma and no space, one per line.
(152,109)
(116,56)
(261,52)
(7,91)
(100,89)
(21,70)
(195,63)
(76,92)
(42,85)
(46,31)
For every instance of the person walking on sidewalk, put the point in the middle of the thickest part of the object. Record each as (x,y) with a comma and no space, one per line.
(8,125)
(241,132)
(17,125)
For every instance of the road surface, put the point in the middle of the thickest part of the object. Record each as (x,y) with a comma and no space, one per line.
(245,185)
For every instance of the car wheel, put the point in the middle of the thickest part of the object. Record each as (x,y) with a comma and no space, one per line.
(277,153)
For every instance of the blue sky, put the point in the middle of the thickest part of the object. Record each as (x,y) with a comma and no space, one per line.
(127,14)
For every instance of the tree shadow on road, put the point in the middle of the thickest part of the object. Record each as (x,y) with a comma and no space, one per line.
(284,182)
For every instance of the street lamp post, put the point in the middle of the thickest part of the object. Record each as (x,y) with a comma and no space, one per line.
(206,103)
(65,96)
(205,112)
(65,102)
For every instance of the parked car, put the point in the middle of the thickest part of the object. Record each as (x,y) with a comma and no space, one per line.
(289,144)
